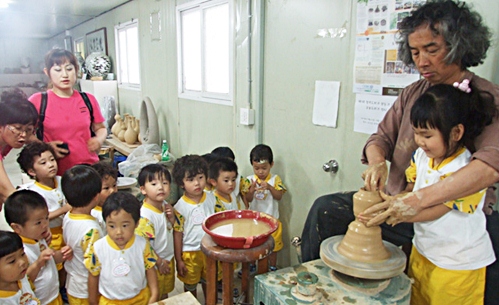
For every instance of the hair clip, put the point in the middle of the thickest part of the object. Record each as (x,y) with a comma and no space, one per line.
(263,161)
(463,86)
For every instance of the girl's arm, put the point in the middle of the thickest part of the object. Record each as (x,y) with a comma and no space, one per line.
(60,211)
(178,245)
(152,282)
(430,213)
(93,289)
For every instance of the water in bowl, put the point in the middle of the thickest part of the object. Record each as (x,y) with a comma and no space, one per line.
(240,227)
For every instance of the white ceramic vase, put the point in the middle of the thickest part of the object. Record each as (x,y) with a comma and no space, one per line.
(98,64)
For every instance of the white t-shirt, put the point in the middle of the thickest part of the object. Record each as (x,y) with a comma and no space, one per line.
(53,196)
(47,281)
(97,214)
(24,296)
(457,240)
(80,232)
(154,225)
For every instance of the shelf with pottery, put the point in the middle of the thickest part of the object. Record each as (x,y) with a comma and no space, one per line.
(124,135)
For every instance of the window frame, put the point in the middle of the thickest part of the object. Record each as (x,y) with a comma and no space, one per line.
(203,95)
(117,28)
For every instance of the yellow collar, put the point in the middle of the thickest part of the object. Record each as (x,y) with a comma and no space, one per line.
(98,208)
(45,187)
(189,200)
(115,247)
(151,207)
(28,240)
(447,160)
(260,181)
(80,216)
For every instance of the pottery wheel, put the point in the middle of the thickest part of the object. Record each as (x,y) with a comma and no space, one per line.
(388,268)
(316,298)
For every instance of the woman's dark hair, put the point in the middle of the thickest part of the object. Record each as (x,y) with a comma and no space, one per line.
(121,201)
(58,57)
(27,156)
(190,166)
(261,152)
(443,107)
(10,242)
(151,171)
(467,38)
(16,109)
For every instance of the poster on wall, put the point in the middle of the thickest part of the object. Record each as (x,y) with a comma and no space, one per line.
(378,69)
(370,110)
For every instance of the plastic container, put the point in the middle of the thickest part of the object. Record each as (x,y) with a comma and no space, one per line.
(164,151)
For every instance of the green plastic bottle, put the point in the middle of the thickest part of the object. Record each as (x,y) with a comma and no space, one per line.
(164,151)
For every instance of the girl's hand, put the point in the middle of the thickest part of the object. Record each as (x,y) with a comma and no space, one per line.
(181,268)
(164,266)
(45,256)
(170,215)
(67,253)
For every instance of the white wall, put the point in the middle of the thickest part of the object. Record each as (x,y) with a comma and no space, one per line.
(293,60)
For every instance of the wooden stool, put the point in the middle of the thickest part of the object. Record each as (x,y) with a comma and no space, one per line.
(215,253)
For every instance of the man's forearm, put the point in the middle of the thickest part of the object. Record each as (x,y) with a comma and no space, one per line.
(470,179)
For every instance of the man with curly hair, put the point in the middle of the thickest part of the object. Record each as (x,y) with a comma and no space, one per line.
(442,38)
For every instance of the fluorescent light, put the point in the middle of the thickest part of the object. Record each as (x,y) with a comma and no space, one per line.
(5,3)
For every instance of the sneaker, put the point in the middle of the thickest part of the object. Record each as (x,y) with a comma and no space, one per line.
(252,271)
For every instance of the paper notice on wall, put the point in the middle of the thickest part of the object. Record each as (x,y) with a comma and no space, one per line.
(325,111)
(370,110)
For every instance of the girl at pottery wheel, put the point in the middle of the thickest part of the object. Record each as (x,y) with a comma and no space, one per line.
(73,123)
(451,246)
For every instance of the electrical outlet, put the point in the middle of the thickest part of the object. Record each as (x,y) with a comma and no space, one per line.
(247,116)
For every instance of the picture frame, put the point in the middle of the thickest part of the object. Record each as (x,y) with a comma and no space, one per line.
(96,41)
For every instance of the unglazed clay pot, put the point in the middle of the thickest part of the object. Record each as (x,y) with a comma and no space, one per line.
(363,243)
(130,133)
(117,125)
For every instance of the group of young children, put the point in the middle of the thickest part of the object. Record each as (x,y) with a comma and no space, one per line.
(78,235)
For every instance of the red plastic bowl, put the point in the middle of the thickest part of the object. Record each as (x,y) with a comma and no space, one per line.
(239,242)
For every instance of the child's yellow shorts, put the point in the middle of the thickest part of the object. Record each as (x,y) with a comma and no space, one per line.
(141,298)
(166,282)
(277,235)
(434,285)
(57,241)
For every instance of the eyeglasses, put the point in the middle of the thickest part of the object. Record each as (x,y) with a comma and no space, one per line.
(19,131)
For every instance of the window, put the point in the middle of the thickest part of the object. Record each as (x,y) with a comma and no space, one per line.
(205,51)
(127,54)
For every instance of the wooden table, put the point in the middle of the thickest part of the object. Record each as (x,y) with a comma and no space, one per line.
(185,298)
(115,144)
(215,253)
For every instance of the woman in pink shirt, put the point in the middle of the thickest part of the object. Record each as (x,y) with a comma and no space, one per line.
(17,125)
(67,116)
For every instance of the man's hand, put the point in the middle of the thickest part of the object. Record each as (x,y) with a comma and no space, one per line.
(375,176)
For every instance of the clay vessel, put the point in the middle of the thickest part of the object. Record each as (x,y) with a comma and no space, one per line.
(123,125)
(130,133)
(117,125)
(363,243)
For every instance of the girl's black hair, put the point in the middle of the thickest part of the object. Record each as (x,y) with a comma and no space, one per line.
(443,107)
(121,201)
(10,242)
(151,171)
(16,109)
(188,166)
(261,152)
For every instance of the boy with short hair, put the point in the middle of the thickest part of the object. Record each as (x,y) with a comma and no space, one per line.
(189,172)
(226,152)
(264,191)
(109,176)
(37,159)
(156,223)
(81,185)
(121,265)
(223,177)
(27,214)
